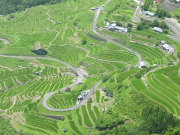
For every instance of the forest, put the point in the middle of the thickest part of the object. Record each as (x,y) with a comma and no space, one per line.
(11,6)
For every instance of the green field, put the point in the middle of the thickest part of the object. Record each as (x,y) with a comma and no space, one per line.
(162,87)
(63,29)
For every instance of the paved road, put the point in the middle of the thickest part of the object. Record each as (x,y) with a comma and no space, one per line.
(109,38)
(79,73)
(6,42)
(138,11)
(91,92)
(49,95)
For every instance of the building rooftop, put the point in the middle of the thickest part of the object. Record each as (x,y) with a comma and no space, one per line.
(168,47)
(157,29)
(163,42)
(149,13)
(143,64)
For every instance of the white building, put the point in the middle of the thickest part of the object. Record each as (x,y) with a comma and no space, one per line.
(113,26)
(158,29)
(94,8)
(163,42)
(143,64)
(121,29)
(149,13)
(168,48)
(80,97)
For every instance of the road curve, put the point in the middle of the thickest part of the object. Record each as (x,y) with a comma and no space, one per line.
(108,37)
(6,42)
(49,95)
(79,73)
(91,92)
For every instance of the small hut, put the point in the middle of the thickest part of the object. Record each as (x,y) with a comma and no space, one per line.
(36,73)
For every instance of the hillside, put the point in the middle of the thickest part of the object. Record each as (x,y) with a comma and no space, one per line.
(11,6)
(89,67)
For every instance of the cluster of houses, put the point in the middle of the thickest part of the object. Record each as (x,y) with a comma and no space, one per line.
(168,48)
(114,26)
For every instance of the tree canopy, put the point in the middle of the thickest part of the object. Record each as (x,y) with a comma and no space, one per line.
(10,6)
(156,119)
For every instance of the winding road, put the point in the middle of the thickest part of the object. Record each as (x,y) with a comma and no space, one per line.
(109,38)
(49,95)
(84,101)
(80,75)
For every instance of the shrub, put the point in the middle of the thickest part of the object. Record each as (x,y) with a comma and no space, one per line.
(156,119)
(162,13)
(109,120)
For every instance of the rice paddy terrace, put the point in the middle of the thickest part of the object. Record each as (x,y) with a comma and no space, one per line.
(29,83)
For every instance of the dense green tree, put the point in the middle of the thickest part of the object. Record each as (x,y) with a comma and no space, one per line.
(156,119)
(173,131)
(144,24)
(147,4)
(84,41)
(109,120)
(10,6)
(162,13)
(105,78)
(129,25)
(139,26)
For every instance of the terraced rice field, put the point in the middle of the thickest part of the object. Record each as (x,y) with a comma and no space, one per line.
(62,28)
(65,100)
(163,87)
(150,54)
(22,86)
(74,121)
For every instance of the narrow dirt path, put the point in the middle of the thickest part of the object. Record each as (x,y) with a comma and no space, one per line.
(53,23)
